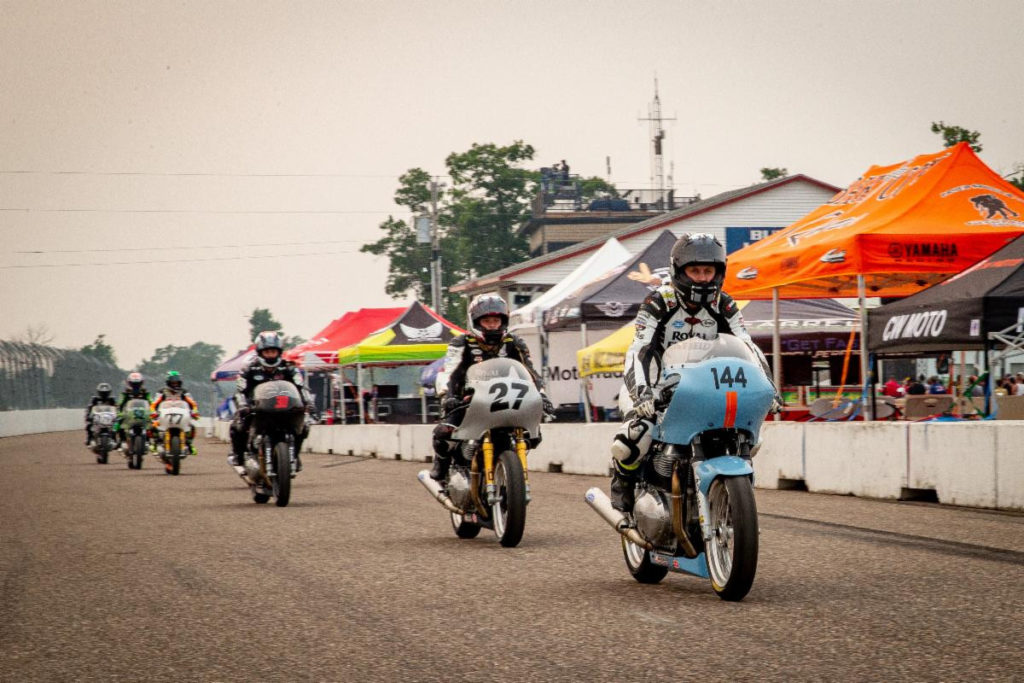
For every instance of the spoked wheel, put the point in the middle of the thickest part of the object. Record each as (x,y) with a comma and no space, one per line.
(464,529)
(509,511)
(282,479)
(638,561)
(138,448)
(174,457)
(732,550)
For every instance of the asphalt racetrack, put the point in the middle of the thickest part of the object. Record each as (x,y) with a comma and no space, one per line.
(110,574)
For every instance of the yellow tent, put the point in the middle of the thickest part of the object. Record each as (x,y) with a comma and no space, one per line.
(607,355)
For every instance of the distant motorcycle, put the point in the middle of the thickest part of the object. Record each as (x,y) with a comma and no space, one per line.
(134,422)
(174,422)
(102,428)
(488,485)
(695,510)
(270,462)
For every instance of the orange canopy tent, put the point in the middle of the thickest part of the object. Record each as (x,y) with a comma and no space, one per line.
(893,232)
(901,228)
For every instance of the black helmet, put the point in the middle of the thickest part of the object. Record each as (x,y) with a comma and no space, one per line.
(482,306)
(173,379)
(268,340)
(134,381)
(700,248)
(103,389)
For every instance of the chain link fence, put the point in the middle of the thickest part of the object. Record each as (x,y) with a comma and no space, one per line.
(34,377)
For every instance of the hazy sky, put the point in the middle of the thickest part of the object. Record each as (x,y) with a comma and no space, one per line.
(167,167)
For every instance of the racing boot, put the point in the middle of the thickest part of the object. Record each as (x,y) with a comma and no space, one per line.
(622,493)
(439,472)
(236,459)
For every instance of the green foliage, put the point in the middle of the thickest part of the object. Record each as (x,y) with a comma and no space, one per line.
(100,350)
(594,187)
(773,173)
(488,197)
(1018,171)
(262,320)
(952,135)
(198,360)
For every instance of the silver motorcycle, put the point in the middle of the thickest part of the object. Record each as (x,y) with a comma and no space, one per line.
(487,484)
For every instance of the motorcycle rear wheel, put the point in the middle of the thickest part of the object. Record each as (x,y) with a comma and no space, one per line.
(282,481)
(638,562)
(732,550)
(509,511)
(464,529)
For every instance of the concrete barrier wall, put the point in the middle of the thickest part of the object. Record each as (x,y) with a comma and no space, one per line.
(977,464)
(17,422)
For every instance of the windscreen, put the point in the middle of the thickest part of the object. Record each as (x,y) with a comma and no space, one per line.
(695,350)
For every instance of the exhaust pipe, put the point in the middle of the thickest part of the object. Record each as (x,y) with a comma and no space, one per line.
(437,492)
(597,499)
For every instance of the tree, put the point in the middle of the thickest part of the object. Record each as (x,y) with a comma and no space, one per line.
(196,361)
(1018,170)
(262,320)
(100,350)
(594,187)
(952,135)
(35,334)
(773,173)
(488,198)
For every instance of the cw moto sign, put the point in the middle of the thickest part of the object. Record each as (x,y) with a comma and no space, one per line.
(915,325)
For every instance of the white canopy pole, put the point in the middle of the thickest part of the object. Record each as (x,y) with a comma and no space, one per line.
(776,347)
(861,295)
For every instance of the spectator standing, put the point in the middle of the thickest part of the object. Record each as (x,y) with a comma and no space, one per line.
(916,388)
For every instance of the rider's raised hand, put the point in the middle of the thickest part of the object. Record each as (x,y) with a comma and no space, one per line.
(644,405)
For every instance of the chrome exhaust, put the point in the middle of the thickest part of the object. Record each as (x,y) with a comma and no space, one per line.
(438,493)
(597,499)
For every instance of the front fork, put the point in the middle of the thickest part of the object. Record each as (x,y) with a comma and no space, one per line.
(487,446)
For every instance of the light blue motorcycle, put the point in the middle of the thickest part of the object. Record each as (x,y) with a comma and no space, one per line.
(695,510)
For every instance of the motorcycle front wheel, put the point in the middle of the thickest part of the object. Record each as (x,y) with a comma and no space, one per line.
(138,448)
(174,455)
(282,481)
(732,549)
(509,511)
(104,446)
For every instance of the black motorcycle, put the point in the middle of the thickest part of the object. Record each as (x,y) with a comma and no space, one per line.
(270,459)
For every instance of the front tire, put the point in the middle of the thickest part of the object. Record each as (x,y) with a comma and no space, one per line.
(174,457)
(282,482)
(509,511)
(638,562)
(464,529)
(731,551)
(138,448)
(104,446)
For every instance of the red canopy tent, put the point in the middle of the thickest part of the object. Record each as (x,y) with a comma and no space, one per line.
(322,350)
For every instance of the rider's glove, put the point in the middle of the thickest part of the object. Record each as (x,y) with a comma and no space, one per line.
(549,408)
(644,404)
(450,404)
(195,414)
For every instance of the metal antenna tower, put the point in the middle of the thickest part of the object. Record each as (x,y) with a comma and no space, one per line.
(657,136)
